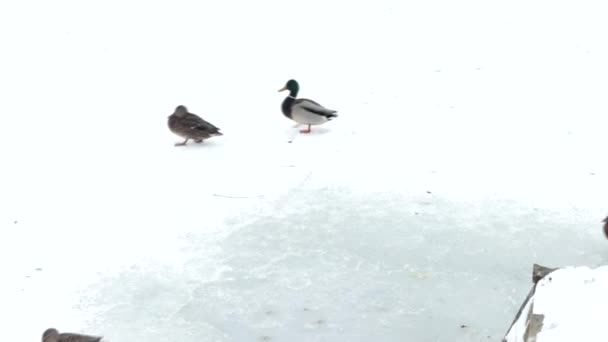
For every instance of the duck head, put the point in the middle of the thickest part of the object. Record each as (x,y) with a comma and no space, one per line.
(292,86)
(180,111)
(50,335)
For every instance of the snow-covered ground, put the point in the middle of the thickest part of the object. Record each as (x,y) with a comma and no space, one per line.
(470,144)
(570,304)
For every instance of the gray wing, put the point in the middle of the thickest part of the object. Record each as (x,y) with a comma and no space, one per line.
(195,122)
(314,107)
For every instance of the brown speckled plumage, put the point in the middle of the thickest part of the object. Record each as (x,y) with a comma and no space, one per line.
(52,335)
(191,126)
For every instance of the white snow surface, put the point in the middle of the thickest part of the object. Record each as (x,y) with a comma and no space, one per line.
(572,301)
(470,144)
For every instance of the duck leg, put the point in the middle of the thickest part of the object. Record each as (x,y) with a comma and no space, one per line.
(305,130)
(198,141)
(182,143)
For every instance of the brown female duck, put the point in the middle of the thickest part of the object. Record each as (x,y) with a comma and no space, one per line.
(52,335)
(190,126)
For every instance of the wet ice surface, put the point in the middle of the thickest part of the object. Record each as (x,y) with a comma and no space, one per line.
(354,267)
(328,264)
(469,146)
(318,262)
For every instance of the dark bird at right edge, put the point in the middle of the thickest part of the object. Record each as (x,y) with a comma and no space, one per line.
(191,126)
(52,335)
(606,227)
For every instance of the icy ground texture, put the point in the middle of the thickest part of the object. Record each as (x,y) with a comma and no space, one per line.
(470,144)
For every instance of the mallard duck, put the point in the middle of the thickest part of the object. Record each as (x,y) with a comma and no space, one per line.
(304,111)
(190,126)
(52,335)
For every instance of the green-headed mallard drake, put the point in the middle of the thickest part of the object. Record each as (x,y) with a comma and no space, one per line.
(304,111)
(191,126)
(52,335)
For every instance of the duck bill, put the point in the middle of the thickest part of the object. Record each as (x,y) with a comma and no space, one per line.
(283,89)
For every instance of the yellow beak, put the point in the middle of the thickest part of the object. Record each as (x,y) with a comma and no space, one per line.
(284,88)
